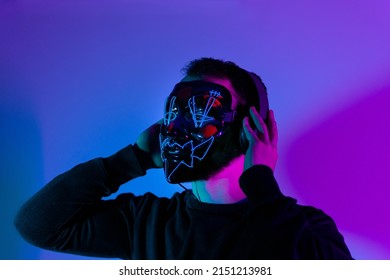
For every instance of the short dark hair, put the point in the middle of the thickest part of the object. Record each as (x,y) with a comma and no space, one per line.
(218,68)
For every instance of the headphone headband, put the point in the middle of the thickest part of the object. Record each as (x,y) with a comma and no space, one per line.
(262,94)
(263,107)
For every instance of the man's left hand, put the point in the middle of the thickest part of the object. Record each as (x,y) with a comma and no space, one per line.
(263,139)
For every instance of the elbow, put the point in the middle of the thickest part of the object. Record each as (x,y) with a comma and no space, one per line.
(30,231)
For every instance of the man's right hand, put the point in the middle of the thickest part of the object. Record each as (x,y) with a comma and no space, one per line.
(148,142)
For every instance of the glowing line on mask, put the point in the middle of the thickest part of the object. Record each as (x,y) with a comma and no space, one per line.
(213,95)
(170,116)
(207,110)
(165,143)
(204,115)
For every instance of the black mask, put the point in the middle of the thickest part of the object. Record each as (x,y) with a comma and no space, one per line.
(197,135)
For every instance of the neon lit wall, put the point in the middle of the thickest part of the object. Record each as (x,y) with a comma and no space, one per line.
(82,80)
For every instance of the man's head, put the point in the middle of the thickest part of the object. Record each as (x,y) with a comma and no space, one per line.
(203,117)
(240,80)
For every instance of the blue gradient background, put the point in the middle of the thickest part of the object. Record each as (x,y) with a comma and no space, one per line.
(81,79)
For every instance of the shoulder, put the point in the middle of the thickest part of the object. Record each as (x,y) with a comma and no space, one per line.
(315,217)
(320,237)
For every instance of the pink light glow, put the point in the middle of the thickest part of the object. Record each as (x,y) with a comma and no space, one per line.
(342,166)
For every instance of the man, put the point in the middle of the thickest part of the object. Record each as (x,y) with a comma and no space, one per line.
(217,133)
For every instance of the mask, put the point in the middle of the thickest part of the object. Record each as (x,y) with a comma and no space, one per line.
(197,116)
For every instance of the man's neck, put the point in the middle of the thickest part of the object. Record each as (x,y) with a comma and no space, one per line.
(223,187)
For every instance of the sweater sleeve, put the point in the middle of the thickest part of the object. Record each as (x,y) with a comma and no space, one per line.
(259,185)
(69,214)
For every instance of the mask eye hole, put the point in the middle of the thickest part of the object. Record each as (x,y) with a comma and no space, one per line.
(207,101)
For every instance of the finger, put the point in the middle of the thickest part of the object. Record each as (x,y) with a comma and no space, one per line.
(249,133)
(259,123)
(273,128)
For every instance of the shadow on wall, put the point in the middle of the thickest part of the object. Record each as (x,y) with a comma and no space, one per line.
(342,166)
(20,162)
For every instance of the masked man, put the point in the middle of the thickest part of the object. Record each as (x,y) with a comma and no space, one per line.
(216,133)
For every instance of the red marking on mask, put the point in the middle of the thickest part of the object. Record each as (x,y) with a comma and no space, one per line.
(169,127)
(208,130)
(214,101)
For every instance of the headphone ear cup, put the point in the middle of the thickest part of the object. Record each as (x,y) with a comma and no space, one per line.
(262,108)
(243,141)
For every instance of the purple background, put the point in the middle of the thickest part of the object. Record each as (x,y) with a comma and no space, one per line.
(81,79)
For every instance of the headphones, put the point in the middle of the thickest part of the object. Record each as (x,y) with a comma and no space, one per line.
(263,108)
